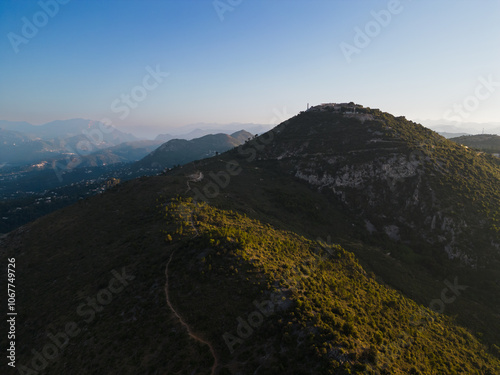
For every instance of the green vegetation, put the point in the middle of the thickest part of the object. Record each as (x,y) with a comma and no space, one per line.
(181,151)
(320,255)
(333,318)
(489,143)
(443,199)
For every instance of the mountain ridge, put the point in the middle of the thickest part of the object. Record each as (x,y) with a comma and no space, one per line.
(270,203)
(181,151)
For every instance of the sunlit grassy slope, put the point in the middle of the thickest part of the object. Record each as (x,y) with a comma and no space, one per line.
(302,306)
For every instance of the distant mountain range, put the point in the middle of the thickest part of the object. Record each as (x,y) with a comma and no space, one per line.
(63,129)
(71,177)
(452,135)
(445,127)
(23,143)
(92,142)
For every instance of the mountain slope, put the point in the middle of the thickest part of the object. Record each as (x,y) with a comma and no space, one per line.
(425,206)
(337,177)
(180,151)
(314,309)
(198,130)
(386,164)
(485,142)
(267,300)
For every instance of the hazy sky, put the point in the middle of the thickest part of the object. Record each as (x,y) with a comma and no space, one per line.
(152,65)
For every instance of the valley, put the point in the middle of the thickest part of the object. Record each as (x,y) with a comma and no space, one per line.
(30,191)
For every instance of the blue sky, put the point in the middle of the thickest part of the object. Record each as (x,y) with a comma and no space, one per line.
(245,61)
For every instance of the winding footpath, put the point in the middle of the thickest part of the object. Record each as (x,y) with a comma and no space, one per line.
(195,177)
(188,328)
